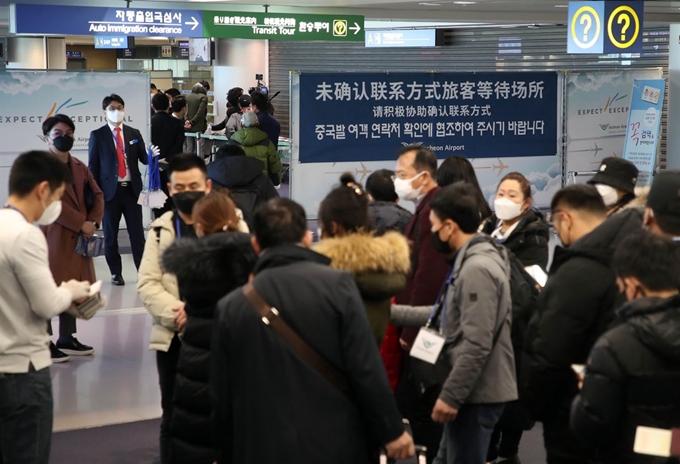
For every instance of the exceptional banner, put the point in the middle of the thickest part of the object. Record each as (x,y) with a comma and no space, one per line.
(597,115)
(644,124)
(368,117)
(28,98)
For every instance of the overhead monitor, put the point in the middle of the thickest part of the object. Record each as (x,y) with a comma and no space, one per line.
(401,38)
(199,51)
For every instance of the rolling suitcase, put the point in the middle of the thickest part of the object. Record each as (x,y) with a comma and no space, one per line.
(419,458)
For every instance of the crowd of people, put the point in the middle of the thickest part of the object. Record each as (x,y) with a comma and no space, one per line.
(452,328)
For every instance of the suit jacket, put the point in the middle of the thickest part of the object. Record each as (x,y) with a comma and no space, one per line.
(104,159)
(62,235)
(167,133)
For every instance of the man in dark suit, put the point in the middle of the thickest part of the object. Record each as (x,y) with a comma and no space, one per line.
(115,152)
(167,133)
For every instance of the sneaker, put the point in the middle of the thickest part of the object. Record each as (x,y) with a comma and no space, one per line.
(58,356)
(75,348)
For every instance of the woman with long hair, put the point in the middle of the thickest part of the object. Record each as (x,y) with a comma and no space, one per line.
(458,169)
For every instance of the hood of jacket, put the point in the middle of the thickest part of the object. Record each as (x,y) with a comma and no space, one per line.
(388,215)
(656,322)
(210,258)
(362,252)
(532,223)
(600,244)
(198,88)
(286,255)
(235,171)
(249,136)
(485,247)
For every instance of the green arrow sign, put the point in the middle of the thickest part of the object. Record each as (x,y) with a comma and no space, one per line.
(226,25)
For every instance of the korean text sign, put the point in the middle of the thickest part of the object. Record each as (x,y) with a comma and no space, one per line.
(368,117)
(644,123)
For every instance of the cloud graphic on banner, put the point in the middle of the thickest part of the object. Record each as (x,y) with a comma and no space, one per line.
(544,196)
(29,83)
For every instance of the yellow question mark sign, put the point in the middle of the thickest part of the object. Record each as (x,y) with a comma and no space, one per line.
(624,14)
(585,14)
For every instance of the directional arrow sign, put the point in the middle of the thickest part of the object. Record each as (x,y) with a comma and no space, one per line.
(78,20)
(226,25)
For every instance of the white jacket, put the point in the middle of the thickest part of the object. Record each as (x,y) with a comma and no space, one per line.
(159,290)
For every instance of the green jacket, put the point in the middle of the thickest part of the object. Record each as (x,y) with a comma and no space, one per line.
(197,109)
(257,145)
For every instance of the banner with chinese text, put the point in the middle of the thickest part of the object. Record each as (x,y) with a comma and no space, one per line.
(644,123)
(368,117)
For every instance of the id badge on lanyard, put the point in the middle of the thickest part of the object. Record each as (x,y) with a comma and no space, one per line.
(429,343)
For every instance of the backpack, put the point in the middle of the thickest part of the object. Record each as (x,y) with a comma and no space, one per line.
(248,199)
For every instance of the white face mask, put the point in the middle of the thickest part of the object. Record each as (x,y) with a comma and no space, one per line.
(116,116)
(50,214)
(405,190)
(506,209)
(608,194)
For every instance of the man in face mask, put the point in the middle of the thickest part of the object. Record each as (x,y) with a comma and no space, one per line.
(615,181)
(158,290)
(415,182)
(575,307)
(115,151)
(29,297)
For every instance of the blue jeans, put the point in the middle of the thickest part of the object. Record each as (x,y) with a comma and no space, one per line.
(466,440)
(26,414)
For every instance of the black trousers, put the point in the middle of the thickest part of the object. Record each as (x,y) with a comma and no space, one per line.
(67,326)
(123,204)
(561,446)
(167,371)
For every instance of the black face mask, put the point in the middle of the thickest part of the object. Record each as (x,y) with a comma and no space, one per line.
(63,143)
(442,246)
(185,201)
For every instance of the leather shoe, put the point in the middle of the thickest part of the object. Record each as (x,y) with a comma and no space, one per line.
(117,280)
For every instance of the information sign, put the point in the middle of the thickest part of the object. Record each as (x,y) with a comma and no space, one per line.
(605,27)
(101,41)
(401,38)
(225,25)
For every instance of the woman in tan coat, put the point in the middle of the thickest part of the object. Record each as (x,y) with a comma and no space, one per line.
(77,217)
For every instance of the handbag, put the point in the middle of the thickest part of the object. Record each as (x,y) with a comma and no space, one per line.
(271,317)
(90,247)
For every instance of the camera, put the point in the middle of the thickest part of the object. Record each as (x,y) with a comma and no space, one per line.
(259,77)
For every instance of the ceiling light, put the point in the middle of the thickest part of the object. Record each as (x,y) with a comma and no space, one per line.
(429,4)
(561,6)
(464,3)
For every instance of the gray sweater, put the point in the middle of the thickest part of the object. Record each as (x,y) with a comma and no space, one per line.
(478,309)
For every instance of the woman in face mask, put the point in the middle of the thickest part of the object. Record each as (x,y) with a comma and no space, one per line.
(378,264)
(615,181)
(515,224)
(82,210)
(207,269)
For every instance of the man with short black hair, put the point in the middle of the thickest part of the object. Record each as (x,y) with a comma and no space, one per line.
(268,124)
(662,215)
(415,181)
(284,392)
(115,151)
(633,371)
(384,211)
(29,297)
(158,290)
(575,307)
(178,108)
(172,94)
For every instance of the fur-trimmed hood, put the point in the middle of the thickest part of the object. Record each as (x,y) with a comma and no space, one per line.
(361,252)
(218,256)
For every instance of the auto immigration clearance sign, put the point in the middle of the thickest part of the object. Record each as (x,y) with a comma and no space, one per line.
(338,28)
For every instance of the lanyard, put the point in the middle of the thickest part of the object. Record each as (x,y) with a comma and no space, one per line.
(115,139)
(440,305)
(178,229)
(17,210)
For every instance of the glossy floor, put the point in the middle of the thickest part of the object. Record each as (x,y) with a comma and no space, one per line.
(119,383)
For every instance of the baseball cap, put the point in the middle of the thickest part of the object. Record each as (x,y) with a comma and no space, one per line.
(616,172)
(249,119)
(244,100)
(664,197)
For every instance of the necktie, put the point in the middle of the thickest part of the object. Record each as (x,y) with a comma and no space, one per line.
(122,171)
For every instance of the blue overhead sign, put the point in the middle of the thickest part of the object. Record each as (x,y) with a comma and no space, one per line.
(605,27)
(101,41)
(78,20)
(368,117)
(586,27)
(401,38)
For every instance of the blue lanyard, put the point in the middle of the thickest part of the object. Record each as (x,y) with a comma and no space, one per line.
(17,210)
(115,139)
(441,301)
(178,230)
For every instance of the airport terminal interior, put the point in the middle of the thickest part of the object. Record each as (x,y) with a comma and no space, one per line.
(554,118)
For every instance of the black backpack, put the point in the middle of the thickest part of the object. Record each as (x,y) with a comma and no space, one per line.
(248,200)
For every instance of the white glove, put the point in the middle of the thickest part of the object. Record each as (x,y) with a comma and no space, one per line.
(79,290)
(155,150)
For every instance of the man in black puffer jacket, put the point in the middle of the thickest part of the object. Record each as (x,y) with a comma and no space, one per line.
(574,309)
(634,370)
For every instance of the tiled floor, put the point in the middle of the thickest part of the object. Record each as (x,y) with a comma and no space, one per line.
(119,383)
